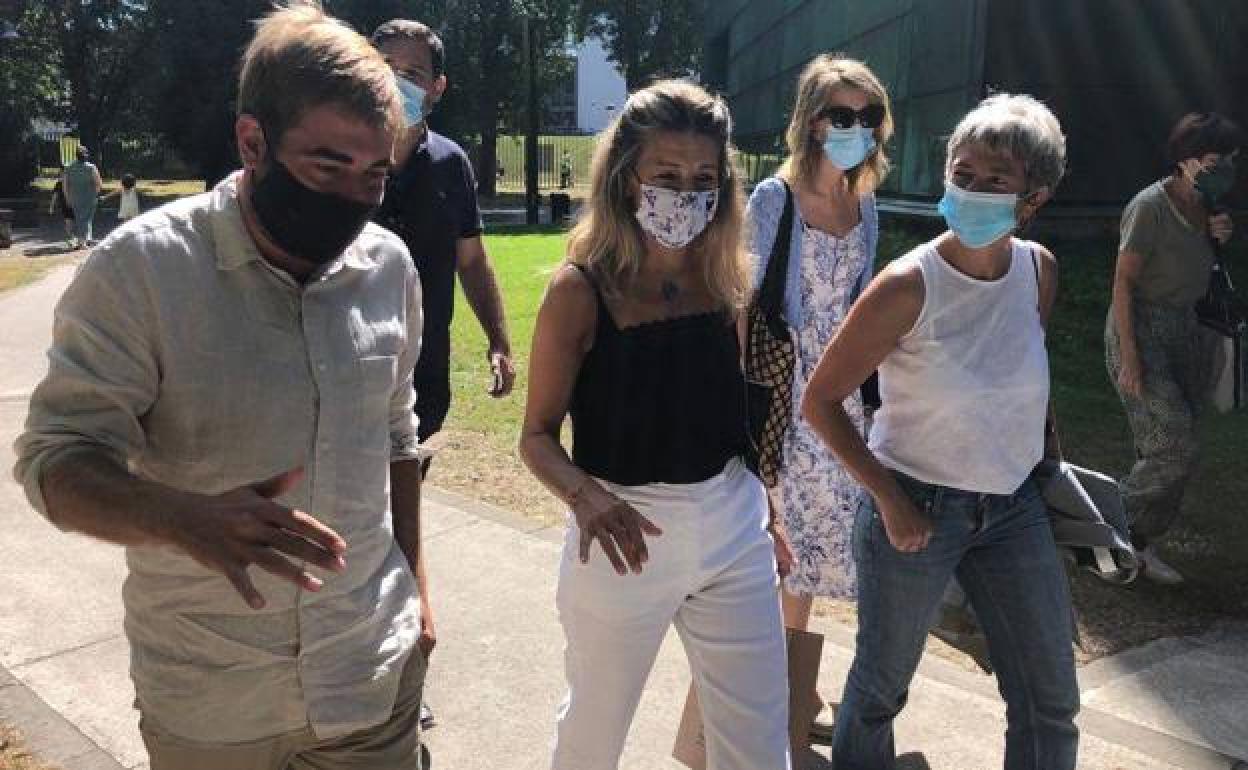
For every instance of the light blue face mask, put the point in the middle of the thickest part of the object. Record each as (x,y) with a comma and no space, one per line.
(413,101)
(978,218)
(848,147)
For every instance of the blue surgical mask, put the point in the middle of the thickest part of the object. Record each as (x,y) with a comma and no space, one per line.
(978,218)
(413,101)
(848,147)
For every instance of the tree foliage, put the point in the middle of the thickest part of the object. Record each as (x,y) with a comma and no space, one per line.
(194,94)
(170,67)
(102,47)
(646,39)
(29,86)
(484,59)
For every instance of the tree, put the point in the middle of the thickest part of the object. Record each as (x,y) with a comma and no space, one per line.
(101,46)
(199,45)
(646,38)
(484,60)
(29,88)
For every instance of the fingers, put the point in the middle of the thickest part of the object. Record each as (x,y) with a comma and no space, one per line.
(305,550)
(631,543)
(647,526)
(279,484)
(272,562)
(613,554)
(496,381)
(509,376)
(630,532)
(909,536)
(428,637)
(621,532)
(1131,386)
(586,541)
(306,526)
(503,377)
(241,581)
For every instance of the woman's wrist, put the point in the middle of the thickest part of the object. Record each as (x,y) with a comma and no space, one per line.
(578,493)
(572,496)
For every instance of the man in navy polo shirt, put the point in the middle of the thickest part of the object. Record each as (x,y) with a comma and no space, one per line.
(431,202)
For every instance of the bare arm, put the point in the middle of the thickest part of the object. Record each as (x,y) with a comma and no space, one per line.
(876,323)
(561,338)
(406,478)
(476,276)
(85,419)
(87,491)
(1048,275)
(1126,274)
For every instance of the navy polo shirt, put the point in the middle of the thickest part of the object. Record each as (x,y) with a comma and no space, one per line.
(431,203)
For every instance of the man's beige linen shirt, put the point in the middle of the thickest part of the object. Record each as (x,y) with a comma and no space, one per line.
(185,355)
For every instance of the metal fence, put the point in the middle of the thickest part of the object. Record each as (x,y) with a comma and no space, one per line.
(562,162)
(145,157)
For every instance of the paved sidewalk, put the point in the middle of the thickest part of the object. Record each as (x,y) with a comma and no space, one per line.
(496,677)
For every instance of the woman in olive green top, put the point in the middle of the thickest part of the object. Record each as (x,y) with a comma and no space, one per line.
(1165,257)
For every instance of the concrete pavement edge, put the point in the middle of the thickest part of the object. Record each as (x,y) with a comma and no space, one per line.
(47,734)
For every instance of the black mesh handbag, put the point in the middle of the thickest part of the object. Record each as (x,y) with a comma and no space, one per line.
(770,357)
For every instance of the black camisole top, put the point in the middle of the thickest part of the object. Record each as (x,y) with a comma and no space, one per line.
(662,401)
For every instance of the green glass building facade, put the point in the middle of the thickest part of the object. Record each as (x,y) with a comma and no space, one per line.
(1118,73)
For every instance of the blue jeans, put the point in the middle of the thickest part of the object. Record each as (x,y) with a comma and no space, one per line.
(1001,550)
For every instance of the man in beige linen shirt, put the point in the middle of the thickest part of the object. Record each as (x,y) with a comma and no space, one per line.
(229,396)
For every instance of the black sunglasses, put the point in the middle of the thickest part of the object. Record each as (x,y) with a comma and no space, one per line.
(870,116)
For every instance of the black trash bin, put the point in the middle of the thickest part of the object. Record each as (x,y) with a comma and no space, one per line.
(560,208)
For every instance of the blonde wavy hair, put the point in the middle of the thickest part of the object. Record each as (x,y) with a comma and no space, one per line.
(823,75)
(608,241)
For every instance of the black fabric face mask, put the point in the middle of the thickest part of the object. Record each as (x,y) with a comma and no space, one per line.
(315,226)
(1215,182)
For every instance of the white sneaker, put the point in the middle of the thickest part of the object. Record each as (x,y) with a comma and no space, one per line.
(1156,570)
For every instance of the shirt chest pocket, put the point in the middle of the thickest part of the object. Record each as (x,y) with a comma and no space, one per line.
(372,389)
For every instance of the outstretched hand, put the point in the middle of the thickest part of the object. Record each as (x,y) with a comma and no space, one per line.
(617,527)
(243,527)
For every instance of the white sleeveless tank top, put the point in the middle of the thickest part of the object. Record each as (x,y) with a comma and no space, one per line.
(966,391)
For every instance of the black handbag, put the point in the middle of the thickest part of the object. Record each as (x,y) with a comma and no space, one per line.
(770,358)
(1219,313)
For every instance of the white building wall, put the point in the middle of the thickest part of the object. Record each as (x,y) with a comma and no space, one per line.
(600,89)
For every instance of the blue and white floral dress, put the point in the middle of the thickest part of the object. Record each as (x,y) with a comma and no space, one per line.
(818,497)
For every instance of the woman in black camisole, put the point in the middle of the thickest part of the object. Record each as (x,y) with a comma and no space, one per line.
(637,342)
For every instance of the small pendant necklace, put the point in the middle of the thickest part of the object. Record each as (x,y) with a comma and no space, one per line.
(669,290)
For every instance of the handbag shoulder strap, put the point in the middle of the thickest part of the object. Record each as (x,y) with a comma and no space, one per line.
(771,294)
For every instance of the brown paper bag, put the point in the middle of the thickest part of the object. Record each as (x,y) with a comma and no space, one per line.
(804,649)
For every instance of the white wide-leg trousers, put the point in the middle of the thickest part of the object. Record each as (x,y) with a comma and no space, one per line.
(712,573)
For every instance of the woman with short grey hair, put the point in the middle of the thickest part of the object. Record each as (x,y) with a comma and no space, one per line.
(956,330)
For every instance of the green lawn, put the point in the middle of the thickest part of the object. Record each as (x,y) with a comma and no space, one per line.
(154,192)
(1207,545)
(523,261)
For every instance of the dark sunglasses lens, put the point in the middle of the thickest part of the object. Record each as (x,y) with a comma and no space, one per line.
(841,117)
(871,116)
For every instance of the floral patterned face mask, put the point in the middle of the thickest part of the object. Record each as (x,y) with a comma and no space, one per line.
(676,217)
